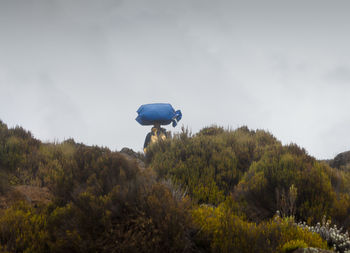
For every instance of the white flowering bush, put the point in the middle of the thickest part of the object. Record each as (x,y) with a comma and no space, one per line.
(334,236)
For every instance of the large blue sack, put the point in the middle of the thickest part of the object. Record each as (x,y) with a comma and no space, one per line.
(159,113)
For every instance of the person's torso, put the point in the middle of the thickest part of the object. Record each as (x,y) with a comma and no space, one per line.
(157,135)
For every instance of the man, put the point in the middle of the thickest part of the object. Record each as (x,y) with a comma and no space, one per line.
(157,133)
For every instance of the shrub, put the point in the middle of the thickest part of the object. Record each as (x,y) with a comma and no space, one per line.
(292,245)
(268,182)
(226,232)
(23,229)
(335,237)
(4,184)
(211,163)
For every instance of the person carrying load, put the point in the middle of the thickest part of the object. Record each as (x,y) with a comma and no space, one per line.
(157,114)
(157,133)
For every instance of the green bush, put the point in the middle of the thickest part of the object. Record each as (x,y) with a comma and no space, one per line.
(215,191)
(267,182)
(211,163)
(23,229)
(4,183)
(256,170)
(223,231)
(291,246)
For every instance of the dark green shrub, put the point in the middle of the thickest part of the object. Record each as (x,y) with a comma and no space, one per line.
(210,164)
(270,179)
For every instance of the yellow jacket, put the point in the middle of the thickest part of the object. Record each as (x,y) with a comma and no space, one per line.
(154,136)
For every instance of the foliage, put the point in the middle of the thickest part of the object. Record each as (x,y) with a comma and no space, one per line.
(102,201)
(23,229)
(4,183)
(292,245)
(279,169)
(214,191)
(210,163)
(335,237)
(256,170)
(227,232)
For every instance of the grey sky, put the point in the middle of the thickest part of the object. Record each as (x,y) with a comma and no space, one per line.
(81,68)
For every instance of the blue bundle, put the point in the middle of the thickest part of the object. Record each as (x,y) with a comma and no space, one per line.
(159,113)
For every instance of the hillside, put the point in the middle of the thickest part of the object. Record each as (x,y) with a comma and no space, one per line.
(214,191)
(341,161)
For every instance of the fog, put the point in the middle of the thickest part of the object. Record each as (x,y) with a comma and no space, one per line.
(80,69)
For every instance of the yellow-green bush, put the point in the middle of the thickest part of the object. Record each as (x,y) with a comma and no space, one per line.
(23,229)
(226,232)
(292,245)
(102,202)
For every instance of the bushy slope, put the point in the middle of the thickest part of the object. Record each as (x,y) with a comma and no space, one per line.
(256,171)
(253,174)
(215,191)
(211,163)
(101,202)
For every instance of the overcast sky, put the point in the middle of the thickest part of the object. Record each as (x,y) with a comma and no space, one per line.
(81,68)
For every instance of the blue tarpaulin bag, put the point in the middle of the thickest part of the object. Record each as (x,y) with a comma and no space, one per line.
(159,113)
